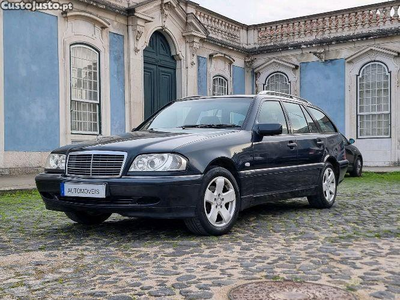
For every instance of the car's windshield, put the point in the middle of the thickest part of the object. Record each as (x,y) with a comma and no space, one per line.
(202,113)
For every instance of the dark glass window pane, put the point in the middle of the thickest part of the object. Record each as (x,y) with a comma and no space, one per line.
(202,111)
(296,118)
(323,121)
(271,112)
(311,125)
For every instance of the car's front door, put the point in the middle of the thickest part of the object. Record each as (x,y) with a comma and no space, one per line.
(274,156)
(310,145)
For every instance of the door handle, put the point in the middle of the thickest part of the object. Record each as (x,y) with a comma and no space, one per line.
(292,145)
(320,142)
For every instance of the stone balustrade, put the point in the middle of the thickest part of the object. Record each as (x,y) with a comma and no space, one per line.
(342,24)
(221,28)
(336,24)
(346,22)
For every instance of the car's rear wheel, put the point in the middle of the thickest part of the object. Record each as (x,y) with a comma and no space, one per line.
(87,218)
(357,168)
(327,189)
(218,205)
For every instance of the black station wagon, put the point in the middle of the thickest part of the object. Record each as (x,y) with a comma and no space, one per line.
(203,160)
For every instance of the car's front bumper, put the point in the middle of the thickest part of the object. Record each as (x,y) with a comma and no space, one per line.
(135,196)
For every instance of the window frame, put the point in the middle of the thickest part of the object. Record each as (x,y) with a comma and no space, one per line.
(223,78)
(98,103)
(275,73)
(358,114)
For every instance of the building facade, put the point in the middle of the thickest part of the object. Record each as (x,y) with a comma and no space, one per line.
(104,66)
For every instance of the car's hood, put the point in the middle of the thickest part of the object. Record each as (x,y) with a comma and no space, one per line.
(147,141)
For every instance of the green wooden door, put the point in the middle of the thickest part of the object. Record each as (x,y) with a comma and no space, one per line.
(159,74)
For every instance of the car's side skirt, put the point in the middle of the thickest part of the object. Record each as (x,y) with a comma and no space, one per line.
(253,200)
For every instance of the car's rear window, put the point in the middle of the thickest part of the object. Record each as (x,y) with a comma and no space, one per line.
(213,111)
(323,121)
(311,125)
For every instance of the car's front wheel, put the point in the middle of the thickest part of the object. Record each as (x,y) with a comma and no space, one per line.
(218,205)
(87,218)
(326,190)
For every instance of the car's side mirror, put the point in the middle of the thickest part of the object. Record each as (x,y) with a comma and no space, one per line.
(351,141)
(269,129)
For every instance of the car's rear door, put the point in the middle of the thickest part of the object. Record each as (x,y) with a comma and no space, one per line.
(329,134)
(274,156)
(310,145)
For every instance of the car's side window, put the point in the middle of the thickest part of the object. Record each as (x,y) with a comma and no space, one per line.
(345,141)
(311,124)
(271,112)
(323,121)
(296,118)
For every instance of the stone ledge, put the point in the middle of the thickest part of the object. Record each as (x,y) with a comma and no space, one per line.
(17,182)
(20,171)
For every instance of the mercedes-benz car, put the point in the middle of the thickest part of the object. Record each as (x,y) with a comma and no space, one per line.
(203,160)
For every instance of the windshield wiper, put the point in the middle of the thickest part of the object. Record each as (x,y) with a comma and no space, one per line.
(210,126)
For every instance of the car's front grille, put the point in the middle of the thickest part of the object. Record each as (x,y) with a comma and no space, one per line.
(96,164)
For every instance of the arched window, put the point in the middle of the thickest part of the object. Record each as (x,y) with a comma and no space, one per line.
(220,86)
(373,105)
(85,95)
(277,82)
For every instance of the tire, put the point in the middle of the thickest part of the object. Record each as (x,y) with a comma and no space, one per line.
(216,210)
(327,189)
(357,168)
(87,218)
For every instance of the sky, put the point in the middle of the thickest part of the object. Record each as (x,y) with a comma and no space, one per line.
(259,11)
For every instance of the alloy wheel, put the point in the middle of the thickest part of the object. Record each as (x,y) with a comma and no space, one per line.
(358,166)
(220,201)
(329,185)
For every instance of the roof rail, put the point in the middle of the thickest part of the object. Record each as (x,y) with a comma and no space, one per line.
(273,93)
(191,97)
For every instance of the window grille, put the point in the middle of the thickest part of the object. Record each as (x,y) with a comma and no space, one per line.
(220,86)
(373,105)
(85,96)
(277,82)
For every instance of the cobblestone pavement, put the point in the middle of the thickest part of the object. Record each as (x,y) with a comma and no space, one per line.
(354,246)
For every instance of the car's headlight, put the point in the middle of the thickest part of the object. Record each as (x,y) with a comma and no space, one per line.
(158,162)
(56,162)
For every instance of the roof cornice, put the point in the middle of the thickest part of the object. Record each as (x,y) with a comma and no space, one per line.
(104,4)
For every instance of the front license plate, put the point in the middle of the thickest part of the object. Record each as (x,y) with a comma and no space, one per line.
(83,190)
